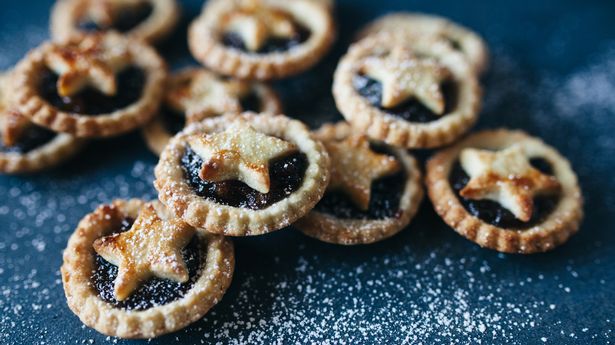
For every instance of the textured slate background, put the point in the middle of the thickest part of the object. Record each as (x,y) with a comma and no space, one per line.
(552,74)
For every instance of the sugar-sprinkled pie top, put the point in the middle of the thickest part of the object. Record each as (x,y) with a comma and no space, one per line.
(152,247)
(239,153)
(94,61)
(206,94)
(354,166)
(242,174)
(404,75)
(255,23)
(507,177)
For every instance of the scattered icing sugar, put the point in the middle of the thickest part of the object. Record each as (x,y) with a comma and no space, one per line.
(426,285)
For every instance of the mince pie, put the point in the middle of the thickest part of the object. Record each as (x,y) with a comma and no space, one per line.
(148,20)
(24,146)
(261,39)
(374,190)
(416,25)
(506,191)
(242,175)
(95,85)
(195,94)
(132,270)
(417,94)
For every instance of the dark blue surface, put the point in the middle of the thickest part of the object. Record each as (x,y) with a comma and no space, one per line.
(552,74)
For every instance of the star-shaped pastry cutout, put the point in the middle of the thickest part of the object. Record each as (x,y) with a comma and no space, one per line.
(207,95)
(506,177)
(239,153)
(152,247)
(354,166)
(255,23)
(92,62)
(403,76)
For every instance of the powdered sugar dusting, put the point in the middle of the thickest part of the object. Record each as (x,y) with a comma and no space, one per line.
(426,285)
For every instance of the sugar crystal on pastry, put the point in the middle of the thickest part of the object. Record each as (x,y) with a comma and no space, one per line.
(152,247)
(94,62)
(404,75)
(354,166)
(239,153)
(506,177)
(255,23)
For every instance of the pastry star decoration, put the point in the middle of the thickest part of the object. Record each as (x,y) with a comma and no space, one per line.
(403,75)
(239,153)
(92,62)
(207,95)
(104,12)
(354,166)
(506,177)
(256,22)
(152,247)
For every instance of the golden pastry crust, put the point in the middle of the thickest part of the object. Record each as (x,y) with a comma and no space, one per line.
(84,301)
(209,216)
(335,230)
(329,4)
(67,14)
(206,46)
(559,225)
(29,102)
(56,151)
(393,130)
(156,134)
(460,38)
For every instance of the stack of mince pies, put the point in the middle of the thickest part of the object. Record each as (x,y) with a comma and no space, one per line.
(231,165)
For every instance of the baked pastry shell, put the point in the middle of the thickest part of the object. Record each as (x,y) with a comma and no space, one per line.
(210,216)
(471,45)
(85,302)
(206,47)
(559,225)
(331,229)
(393,130)
(157,136)
(53,153)
(66,14)
(29,101)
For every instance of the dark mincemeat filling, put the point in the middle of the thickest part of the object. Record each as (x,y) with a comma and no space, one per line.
(286,175)
(130,84)
(174,121)
(411,110)
(251,102)
(155,291)
(492,212)
(272,45)
(33,138)
(125,21)
(384,202)
(386,194)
